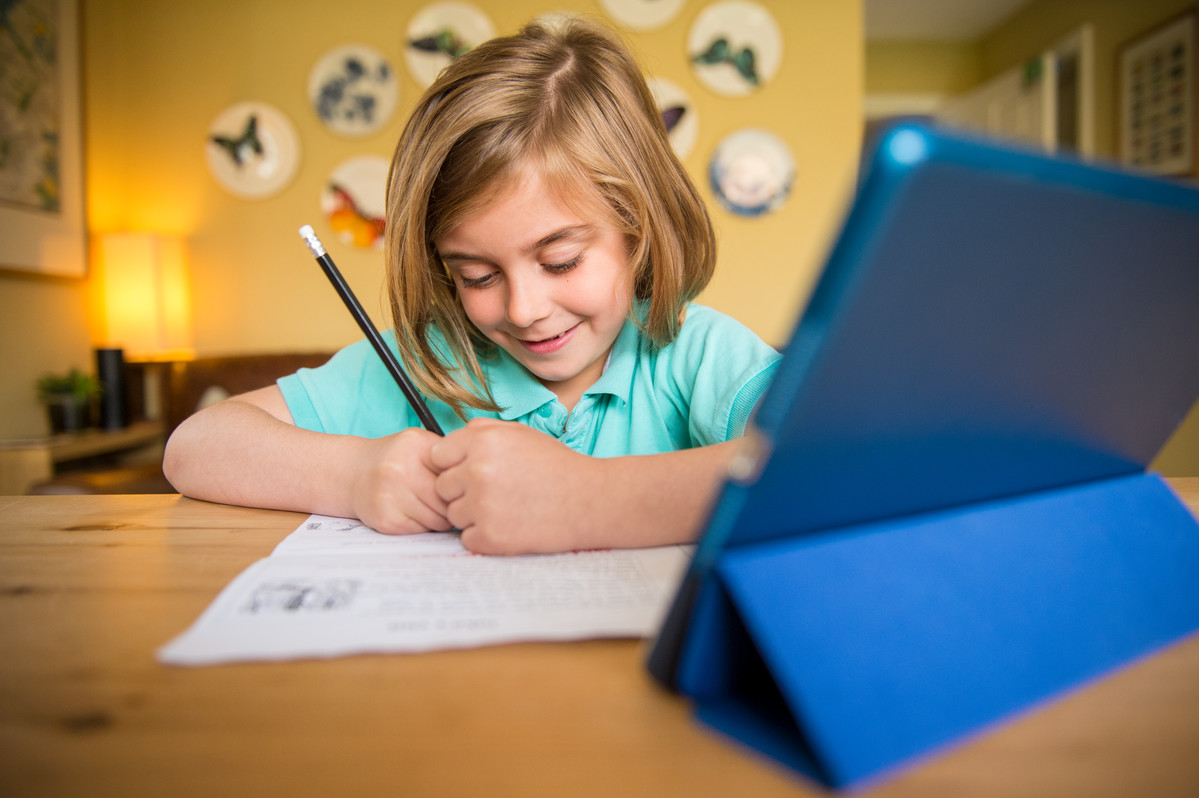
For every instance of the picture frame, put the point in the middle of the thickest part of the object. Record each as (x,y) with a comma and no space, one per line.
(1158,104)
(41,192)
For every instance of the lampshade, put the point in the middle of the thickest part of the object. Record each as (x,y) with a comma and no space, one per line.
(146,295)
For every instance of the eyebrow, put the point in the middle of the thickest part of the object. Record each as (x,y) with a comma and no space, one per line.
(570,231)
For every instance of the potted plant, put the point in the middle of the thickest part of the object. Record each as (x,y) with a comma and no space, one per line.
(68,399)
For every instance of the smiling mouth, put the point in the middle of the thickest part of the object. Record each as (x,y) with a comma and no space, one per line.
(547,345)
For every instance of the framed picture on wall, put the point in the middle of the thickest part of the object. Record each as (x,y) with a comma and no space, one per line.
(1157,98)
(42,225)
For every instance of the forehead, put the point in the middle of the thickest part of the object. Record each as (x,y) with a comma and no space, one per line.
(570,190)
(524,216)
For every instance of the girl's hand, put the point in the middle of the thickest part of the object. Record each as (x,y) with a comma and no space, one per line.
(512,489)
(394,489)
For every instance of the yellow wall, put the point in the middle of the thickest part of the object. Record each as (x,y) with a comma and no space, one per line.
(156,74)
(43,327)
(921,67)
(256,289)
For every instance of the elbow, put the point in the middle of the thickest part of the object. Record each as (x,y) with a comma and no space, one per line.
(177,457)
(172,463)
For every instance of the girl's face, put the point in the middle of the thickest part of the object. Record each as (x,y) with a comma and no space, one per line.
(550,288)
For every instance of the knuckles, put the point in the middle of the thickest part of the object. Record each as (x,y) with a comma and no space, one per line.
(467,470)
(483,540)
(399,525)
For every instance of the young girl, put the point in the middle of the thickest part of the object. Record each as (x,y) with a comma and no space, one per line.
(543,247)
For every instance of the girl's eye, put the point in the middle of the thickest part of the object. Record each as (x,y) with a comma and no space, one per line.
(477,282)
(565,266)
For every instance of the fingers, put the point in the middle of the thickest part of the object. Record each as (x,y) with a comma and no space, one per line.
(448,452)
(397,492)
(450,485)
(466,468)
(482,481)
(405,512)
(453,449)
(453,488)
(418,511)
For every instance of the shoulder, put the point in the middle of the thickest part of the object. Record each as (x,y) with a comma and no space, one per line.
(355,357)
(353,393)
(711,348)
(715,370)
(702,321)
(708,334)
(360,357)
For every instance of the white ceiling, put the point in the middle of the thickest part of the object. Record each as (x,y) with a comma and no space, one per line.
(936,19)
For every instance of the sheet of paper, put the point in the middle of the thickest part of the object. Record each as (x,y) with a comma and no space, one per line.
(335,587)
(322,534)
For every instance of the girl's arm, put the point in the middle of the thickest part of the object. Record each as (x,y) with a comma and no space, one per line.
(246,451)
(514,490)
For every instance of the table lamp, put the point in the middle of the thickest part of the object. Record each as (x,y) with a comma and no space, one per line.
(146,301)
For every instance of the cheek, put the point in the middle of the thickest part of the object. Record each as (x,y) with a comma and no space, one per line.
(620,294)
(480,307)
(624,286)
(605,289)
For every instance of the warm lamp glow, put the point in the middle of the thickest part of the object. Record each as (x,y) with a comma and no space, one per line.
(146,294)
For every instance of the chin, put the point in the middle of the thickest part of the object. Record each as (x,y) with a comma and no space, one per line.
(550,376)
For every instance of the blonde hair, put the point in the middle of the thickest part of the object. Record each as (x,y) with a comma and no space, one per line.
(571,101)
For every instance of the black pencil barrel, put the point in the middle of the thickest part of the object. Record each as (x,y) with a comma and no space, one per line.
(372,334)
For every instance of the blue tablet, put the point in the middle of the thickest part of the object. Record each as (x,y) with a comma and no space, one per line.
(990,322)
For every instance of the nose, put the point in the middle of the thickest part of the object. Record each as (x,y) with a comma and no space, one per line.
(528,300)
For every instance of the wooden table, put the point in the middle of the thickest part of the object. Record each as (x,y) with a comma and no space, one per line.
(90,586)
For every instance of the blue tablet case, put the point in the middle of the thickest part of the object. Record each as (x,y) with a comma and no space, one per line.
(941,513)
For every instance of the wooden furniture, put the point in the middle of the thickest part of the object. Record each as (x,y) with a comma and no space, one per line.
(187,381)
(90,586)
(175,391)
(24,463)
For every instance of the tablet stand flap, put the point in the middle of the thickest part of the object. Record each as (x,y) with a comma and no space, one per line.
(734,692)
(888,641)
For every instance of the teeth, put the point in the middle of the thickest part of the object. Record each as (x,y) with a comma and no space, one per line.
(546,340)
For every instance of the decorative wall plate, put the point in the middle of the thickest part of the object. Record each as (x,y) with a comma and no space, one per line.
(678,114)
(735,47)
(751,172)
(440,33)
(354,201)
(353,90)
(642,14)
(252,149)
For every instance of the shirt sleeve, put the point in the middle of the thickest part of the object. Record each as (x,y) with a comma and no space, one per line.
(352,394)
(723,367)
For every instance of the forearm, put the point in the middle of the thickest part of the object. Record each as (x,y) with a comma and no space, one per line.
(237,453)
(513,490)
(653,500)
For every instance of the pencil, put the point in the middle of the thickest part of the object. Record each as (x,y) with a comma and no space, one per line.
(389,360)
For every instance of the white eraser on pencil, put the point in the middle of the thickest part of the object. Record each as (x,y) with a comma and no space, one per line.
(314,243)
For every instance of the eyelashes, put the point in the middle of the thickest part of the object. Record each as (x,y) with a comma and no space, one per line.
(562,268)
(476,282)
(553,268)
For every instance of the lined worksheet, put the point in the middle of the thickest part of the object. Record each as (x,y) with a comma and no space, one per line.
(334,587)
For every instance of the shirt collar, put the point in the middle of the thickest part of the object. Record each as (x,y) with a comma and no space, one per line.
(513,388)
(617,378)
(519,393)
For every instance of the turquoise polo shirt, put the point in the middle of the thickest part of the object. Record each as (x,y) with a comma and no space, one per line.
(698,390)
